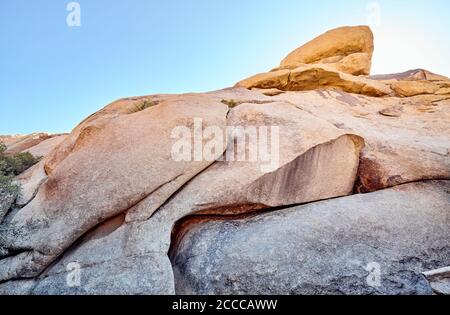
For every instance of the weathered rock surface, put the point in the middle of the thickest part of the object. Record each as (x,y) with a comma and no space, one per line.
(439,280)
(408,88)
(114,159)
(105,198)
(411,75)
(43,148)
(335,59)
(410,144)
(23,143)
(312,77)
(350,49)
(29,182)
(10,139)
(6,201)
(328,247)
(339,59)
(142,238)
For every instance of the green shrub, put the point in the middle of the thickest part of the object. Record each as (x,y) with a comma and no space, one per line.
(230,103)
(14,165)
(7,186)
(2,149)
(11,166)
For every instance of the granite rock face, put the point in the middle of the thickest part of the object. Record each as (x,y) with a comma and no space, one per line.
(107,203)
(111,166)
(410,144)
(377,243)
(142,237)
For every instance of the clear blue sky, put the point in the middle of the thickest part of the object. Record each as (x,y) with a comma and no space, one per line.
(52,76)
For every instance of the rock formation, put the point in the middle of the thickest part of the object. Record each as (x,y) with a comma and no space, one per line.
(348,49)
(322,248)
(38,144)
(366,158)
(341,59)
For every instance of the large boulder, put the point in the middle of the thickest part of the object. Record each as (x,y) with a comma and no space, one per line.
(407,139)
(128,254)
(341,59)
(110,166)
(378,243)
(349,49)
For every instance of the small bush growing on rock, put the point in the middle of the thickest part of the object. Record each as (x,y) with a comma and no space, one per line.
(143,105)
(230,103)
(11,166)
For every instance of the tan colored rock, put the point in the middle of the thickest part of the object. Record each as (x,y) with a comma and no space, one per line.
(43,148)
(8,140)
(315,77)
(129,255)
(113,164)
(413,88)
(109,194)
(415,82)
(355,64)
(27,142)
(237,186)
(410,75)
(444,88)
(269,92)
(392,111)
(411,147)
(277,79)
(343,41)
(312,77)
(29,182)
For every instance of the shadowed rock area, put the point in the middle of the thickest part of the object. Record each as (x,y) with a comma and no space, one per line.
(377,243)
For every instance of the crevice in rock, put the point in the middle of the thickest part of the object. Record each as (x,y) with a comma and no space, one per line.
(185,224)
(369,180)
(224,213)
(102,229)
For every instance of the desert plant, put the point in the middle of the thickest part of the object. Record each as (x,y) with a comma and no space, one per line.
(230,103)
(11,166)
(14,165)
(143,105)
(2,149)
